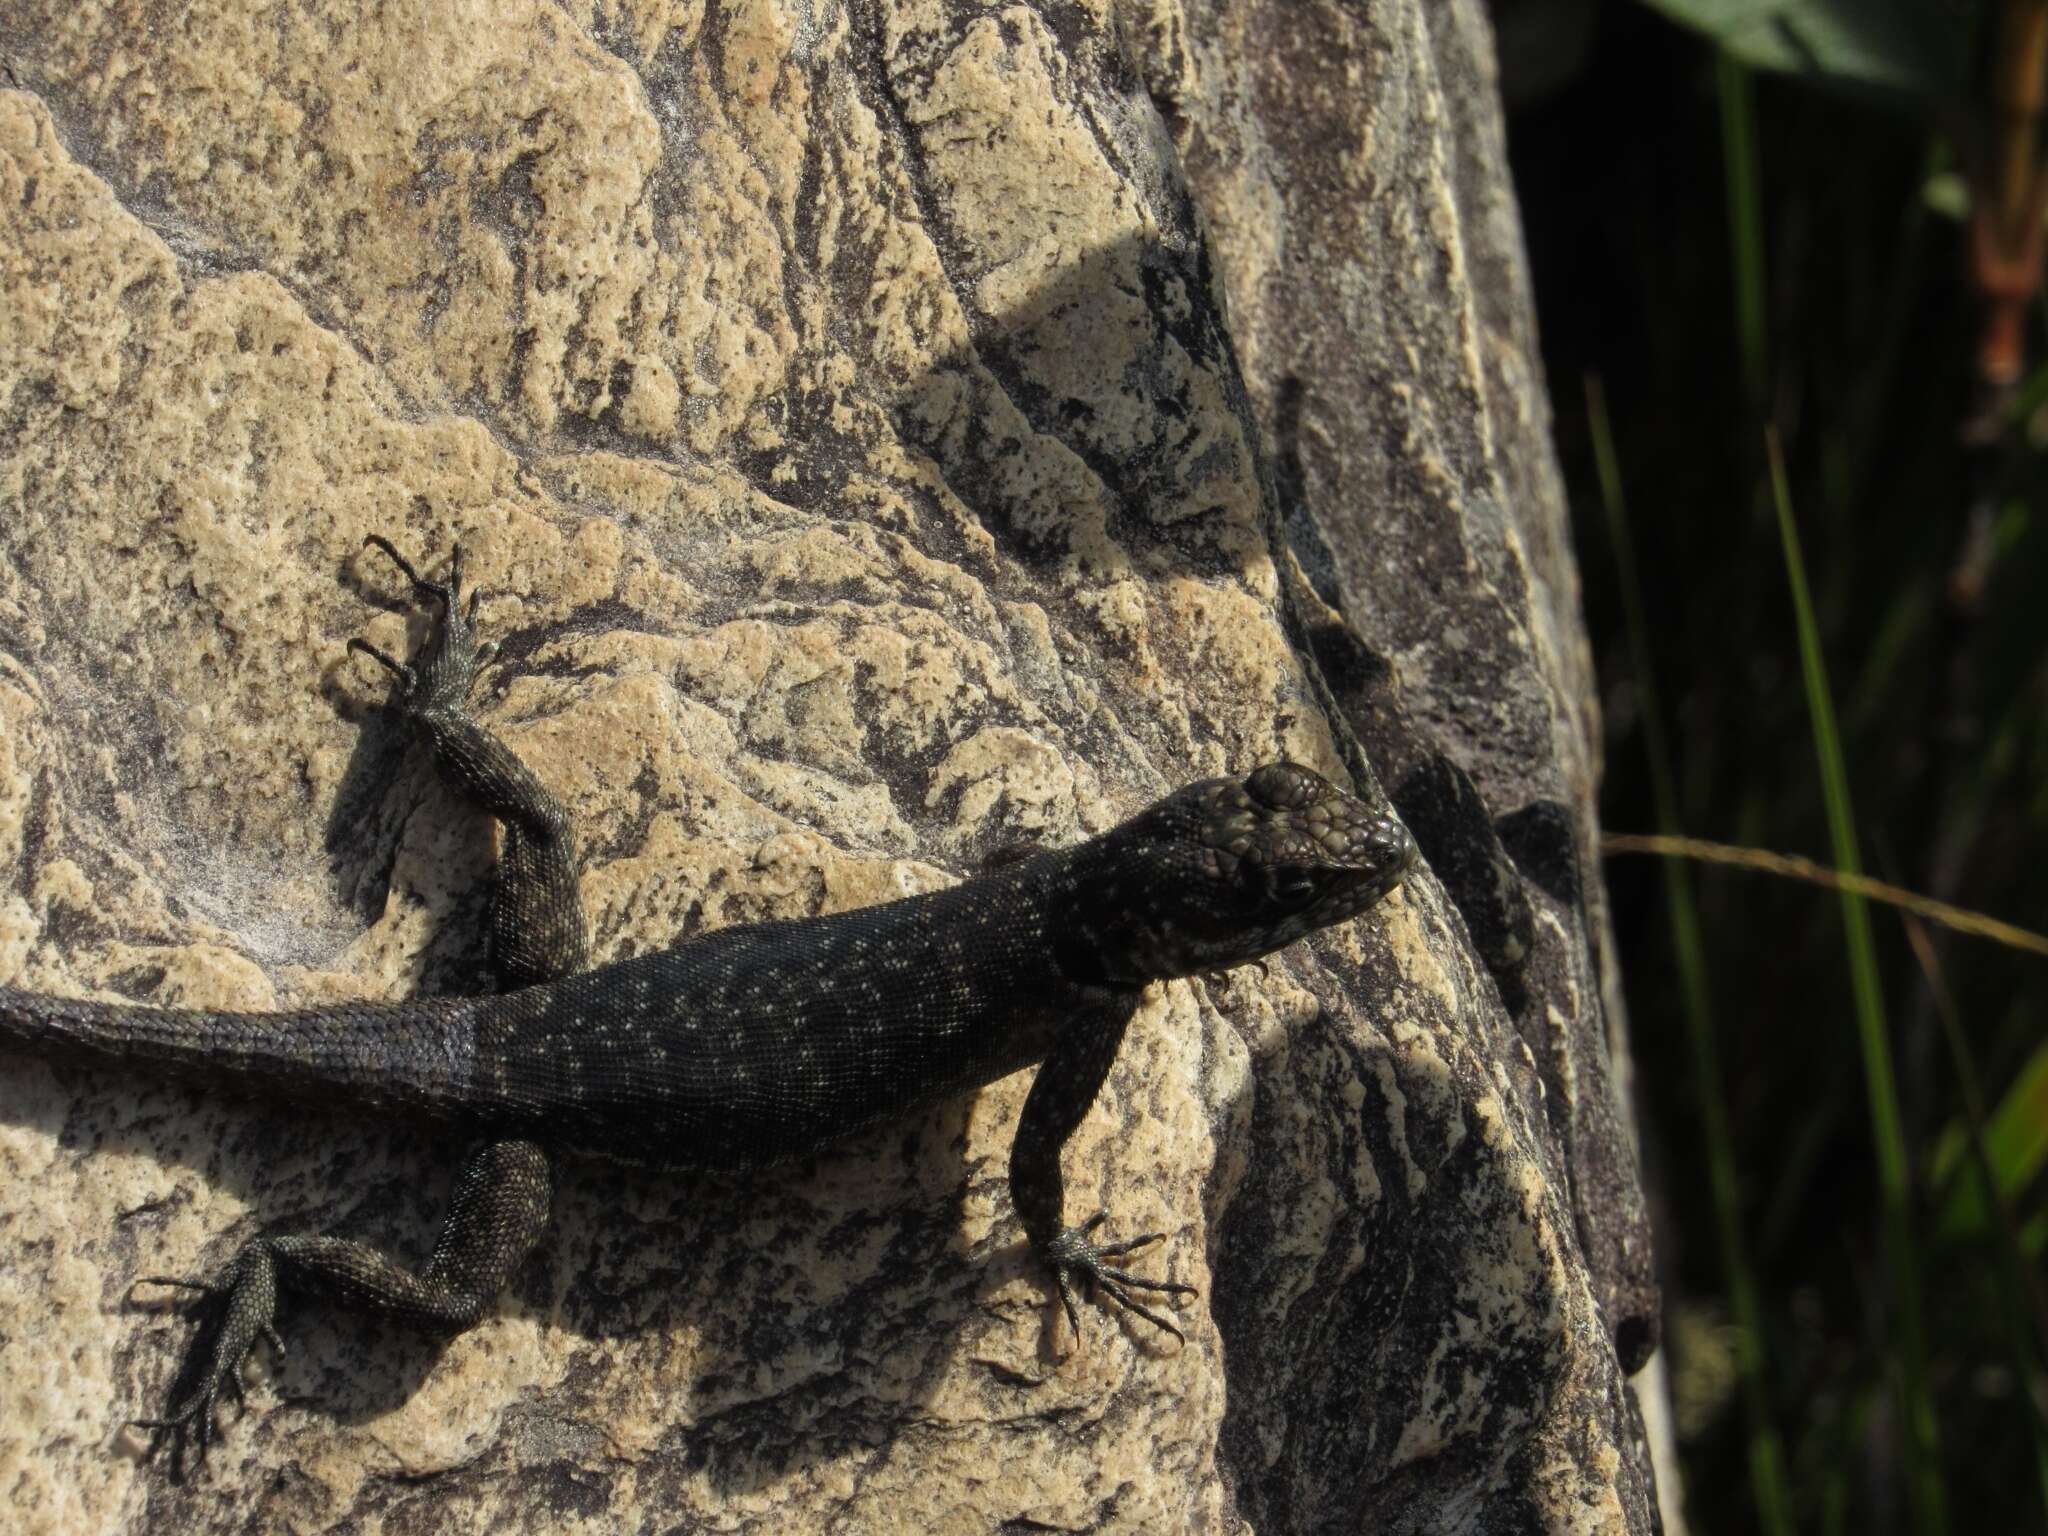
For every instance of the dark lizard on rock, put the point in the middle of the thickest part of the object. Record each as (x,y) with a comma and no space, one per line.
(747,1046)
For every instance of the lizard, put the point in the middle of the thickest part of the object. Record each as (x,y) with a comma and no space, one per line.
(753,1044)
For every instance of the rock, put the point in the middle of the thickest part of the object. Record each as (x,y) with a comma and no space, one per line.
(838,407)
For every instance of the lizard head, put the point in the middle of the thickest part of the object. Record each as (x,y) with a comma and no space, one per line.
(1227,870)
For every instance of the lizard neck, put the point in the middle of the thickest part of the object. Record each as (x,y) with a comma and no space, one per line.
(1095,896)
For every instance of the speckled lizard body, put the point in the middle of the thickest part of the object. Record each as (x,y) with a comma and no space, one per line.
(749,1045)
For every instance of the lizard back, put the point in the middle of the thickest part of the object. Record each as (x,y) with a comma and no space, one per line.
(769,1040)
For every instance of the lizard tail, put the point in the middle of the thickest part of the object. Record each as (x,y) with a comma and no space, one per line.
(412,1055)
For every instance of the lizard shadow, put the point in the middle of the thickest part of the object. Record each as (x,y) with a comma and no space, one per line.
(858,1275)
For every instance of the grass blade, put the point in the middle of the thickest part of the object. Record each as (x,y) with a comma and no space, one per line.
(1921,1438)
(1792,867)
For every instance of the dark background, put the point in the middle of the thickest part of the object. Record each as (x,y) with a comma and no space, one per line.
(1617,137)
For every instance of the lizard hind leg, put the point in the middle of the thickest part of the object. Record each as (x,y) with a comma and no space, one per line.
(496,1216)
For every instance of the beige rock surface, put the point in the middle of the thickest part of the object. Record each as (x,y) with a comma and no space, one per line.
(834,402)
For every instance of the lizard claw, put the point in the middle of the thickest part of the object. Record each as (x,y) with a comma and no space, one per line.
(1075,1255)
(1220,979)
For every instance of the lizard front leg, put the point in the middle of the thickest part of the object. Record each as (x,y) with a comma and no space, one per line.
(537,926)
(1060,1097)
(503,1192)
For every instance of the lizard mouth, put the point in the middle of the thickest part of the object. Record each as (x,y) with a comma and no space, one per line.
(1379,856)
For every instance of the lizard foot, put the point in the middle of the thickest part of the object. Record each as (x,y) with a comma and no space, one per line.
(1075,1255)
(446,666)
(244,1303)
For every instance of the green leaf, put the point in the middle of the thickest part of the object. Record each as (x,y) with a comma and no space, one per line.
(2016,1143)
(1913,48)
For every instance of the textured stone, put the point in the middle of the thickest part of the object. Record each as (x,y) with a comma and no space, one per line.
(837,406)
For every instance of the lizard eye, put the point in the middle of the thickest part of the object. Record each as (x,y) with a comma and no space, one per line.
(1296,887)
